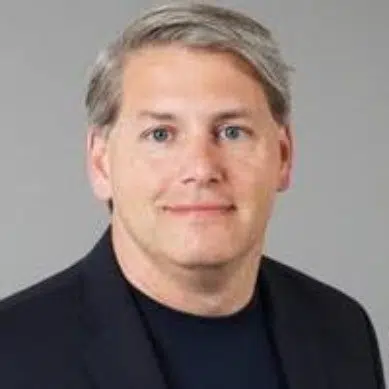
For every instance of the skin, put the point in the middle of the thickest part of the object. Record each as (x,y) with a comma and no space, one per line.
(193,166)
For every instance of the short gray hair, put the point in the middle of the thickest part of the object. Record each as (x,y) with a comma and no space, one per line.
(193,25)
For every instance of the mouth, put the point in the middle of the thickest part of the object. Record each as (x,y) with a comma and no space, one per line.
(200,209)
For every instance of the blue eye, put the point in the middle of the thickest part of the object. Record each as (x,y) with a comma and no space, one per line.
(160,134)
(231,132)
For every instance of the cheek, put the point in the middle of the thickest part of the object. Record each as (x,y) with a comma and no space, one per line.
(255,167)
(139,177)
(255,177)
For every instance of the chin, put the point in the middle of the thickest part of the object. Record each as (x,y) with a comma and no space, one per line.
(203,258)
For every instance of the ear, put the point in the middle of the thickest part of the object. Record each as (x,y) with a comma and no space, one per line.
(98,163)
(286,157)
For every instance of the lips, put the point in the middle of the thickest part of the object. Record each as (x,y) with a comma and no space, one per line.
(199,208)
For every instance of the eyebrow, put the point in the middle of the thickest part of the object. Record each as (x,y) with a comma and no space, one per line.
(156,115)
(218,116)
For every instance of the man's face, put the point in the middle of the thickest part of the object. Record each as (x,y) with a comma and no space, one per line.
(195,159)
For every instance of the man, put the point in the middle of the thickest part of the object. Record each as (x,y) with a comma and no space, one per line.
(189,143)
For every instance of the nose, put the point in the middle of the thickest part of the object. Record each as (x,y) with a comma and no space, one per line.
(202,162)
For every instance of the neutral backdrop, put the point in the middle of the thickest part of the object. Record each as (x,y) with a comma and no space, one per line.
(332,224)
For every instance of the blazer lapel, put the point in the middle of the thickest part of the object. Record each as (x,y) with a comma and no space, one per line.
(118,353)
(294,333)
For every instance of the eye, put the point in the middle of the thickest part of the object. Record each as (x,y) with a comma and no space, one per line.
(160,134)
(231,132)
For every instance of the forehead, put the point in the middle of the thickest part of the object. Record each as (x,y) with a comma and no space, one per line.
(153,54)
(174,72)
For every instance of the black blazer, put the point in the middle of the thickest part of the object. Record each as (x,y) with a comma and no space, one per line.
(81,329)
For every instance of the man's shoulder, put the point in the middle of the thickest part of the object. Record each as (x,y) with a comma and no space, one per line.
(40,332)
(340,321)
(42,308)
(302,288)
(57,301)
(52,288)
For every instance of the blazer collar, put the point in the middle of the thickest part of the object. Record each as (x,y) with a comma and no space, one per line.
(118,353)
(293,329)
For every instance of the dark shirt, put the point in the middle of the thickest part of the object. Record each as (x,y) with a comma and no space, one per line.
(230,352)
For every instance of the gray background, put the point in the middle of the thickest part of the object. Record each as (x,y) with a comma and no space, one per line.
(333,223)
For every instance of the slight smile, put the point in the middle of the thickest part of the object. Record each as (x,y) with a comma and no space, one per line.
(199,208)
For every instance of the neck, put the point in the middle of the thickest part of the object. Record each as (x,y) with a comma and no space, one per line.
(201,290)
